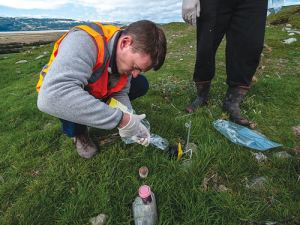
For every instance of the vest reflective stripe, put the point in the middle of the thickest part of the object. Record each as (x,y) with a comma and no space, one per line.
(98,36)
(96,31)
(99,80)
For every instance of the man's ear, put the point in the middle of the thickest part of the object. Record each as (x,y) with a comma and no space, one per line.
(125,42)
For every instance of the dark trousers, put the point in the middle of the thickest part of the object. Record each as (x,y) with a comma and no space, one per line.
(139,87)
(243,23)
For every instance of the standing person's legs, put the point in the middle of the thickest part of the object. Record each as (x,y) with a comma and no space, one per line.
(205,58)
(245,38)
(211,27)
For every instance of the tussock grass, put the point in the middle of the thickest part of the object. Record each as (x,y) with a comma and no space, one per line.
(44,181)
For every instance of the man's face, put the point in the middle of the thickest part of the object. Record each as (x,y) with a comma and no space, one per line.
(128,62)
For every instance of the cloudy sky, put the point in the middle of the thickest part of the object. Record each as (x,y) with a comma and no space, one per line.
(159,11)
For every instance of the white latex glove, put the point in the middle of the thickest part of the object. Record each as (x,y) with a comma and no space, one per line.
(190,8)
(132,127)
(143,136)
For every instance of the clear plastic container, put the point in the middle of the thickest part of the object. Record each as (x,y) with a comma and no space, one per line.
(144,207)
(143,172)
(155,140)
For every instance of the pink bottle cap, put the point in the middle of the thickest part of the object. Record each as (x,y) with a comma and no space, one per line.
(144,191)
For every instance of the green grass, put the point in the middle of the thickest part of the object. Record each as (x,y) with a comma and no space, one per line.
(44,181)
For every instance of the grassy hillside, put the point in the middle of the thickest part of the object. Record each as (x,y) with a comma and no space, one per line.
(287,14)
(44,181)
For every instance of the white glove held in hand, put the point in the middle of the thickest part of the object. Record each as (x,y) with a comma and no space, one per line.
(190,8)
(143,136)
(132,127)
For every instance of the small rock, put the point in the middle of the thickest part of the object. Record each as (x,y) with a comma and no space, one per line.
(286,28)
(297,150)
(254,79)
(267,48)
(283,155)
(257,183)
(39,57)
(253,124)
(288,25)
(260,157)
(296,130)
(223,188)
(22,61)
(291,34)
(294,31)
(101,219)
(46,52)
(289,41)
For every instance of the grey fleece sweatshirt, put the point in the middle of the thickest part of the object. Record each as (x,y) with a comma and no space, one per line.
(62,93)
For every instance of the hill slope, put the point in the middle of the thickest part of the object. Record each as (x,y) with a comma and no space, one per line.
(36,24)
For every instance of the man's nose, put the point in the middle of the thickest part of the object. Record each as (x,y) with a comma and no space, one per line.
(135,73)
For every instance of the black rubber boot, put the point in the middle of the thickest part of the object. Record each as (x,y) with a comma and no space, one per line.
(233,98)
(202,93)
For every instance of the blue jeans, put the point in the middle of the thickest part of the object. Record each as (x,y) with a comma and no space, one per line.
(139,87)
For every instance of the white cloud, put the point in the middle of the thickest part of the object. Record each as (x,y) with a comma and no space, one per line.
(37,16)
(34,4)
(132,10)
(292,2)
(107,10)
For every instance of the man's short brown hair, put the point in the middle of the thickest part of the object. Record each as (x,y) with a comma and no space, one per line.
(148,38)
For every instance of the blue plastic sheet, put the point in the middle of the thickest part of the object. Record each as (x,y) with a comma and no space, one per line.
(243,136)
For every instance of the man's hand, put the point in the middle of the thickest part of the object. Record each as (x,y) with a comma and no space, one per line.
(190,8)
(132,127)
(143,136)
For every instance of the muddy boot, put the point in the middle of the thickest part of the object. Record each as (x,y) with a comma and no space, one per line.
(86,148)
(233,98)
(202,93)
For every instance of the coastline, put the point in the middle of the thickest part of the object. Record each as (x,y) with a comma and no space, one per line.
(33,31)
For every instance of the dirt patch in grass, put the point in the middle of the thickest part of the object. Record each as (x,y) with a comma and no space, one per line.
(296,130)
(297,12)
(279,21)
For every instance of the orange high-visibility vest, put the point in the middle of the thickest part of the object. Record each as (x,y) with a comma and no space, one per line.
(99,80)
